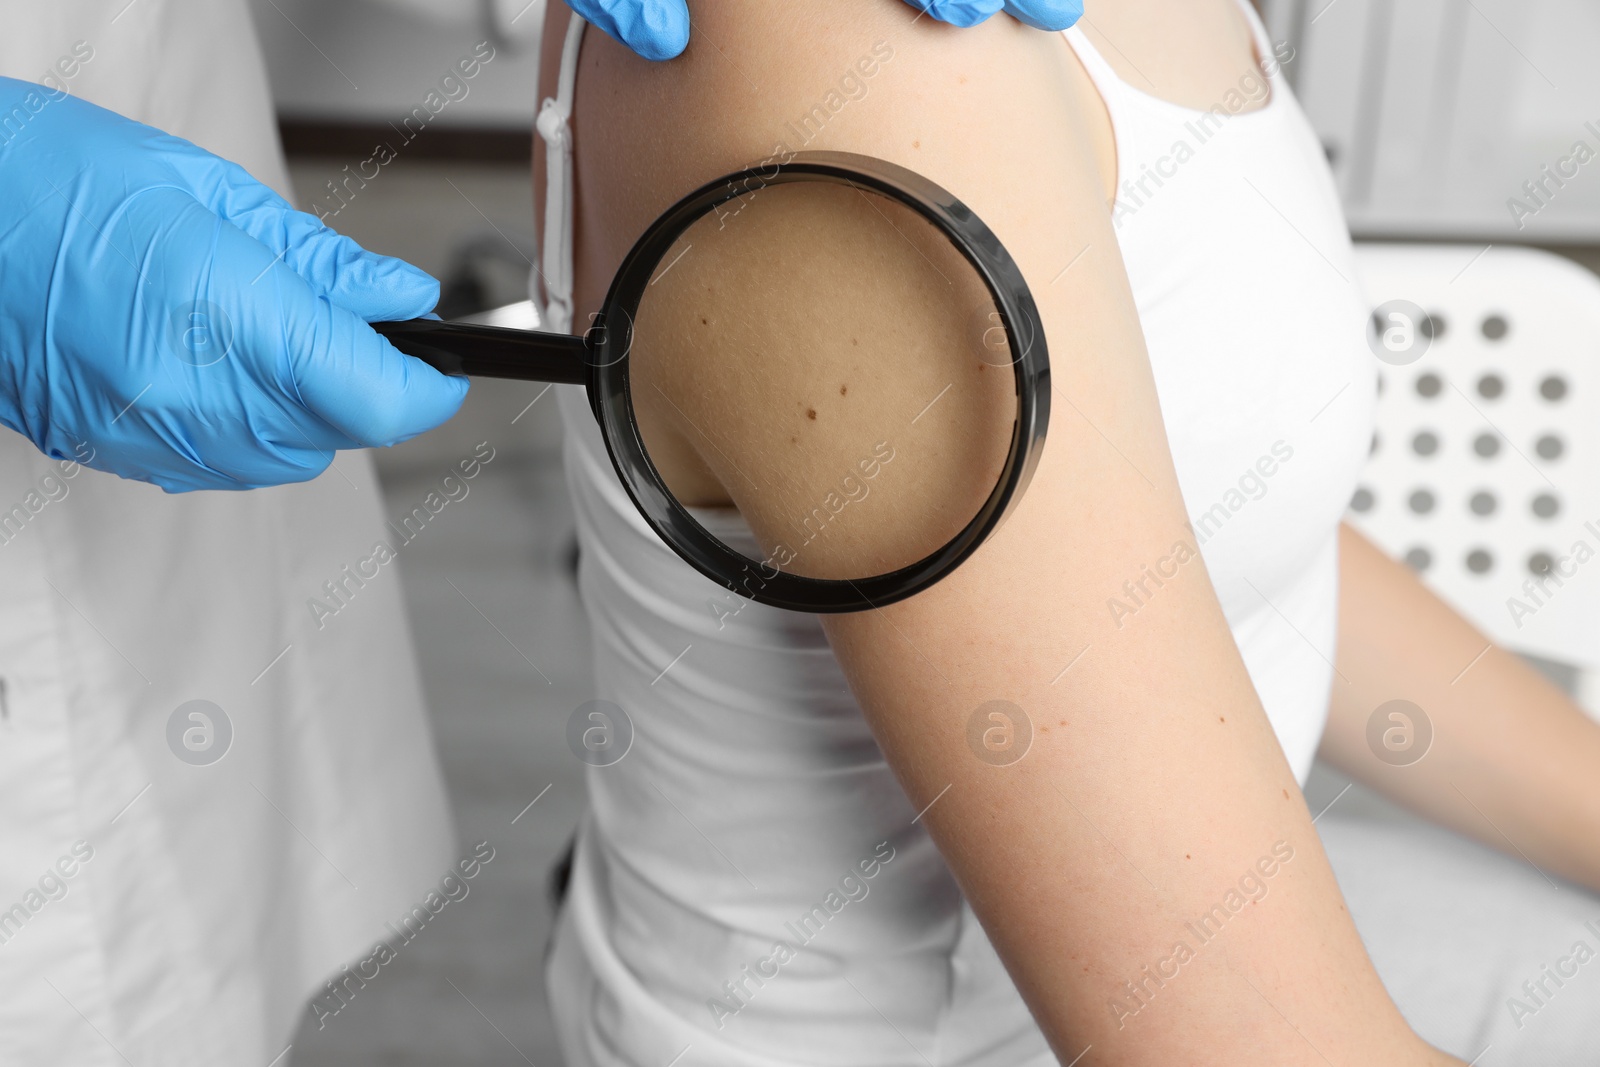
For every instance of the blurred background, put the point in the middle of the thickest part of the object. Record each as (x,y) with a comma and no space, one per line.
(1457,133)
(457,200)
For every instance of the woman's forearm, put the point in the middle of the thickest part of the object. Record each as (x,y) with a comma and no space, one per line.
(1512,760)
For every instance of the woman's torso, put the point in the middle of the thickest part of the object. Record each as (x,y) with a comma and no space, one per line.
(720,898)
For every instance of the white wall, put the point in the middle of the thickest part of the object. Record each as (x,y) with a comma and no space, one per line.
(374,60)
(1437,111)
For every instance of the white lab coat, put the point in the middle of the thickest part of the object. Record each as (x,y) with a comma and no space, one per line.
(215,899)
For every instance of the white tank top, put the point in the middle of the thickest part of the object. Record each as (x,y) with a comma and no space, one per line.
(719,907)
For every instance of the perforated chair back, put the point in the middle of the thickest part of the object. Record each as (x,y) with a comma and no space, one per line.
(1485,469)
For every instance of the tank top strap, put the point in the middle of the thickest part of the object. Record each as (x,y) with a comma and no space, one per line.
(1107,81)
(1114,88)
(1258,31)
(550,288)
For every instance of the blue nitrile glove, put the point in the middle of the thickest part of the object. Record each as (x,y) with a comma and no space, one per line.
(166,317)
(659,29)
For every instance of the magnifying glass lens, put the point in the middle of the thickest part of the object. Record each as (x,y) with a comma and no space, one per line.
(823,380)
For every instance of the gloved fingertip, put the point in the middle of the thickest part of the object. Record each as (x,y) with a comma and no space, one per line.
(372,286)
(958,13)
(658,30)
(405,272)
(670,34)
(380,288)
(1054,15)
(432,399)
(364,391)
(655,29)
(658,48)
(398,291)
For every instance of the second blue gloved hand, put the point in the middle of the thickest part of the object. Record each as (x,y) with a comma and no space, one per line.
(167,318)
(659,29)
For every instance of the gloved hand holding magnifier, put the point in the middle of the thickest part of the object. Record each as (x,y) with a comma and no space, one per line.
(868,452)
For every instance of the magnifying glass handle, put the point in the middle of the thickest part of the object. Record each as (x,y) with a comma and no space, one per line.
(490,351)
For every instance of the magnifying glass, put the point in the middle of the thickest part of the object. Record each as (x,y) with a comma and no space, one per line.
(799,448)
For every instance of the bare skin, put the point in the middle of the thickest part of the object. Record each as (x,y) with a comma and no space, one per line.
(831,393)
(1155,782)
(1513,759)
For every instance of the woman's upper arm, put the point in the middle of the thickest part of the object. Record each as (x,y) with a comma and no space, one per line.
(1148,871)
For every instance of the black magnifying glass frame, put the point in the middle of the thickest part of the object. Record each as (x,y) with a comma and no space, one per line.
(598,360)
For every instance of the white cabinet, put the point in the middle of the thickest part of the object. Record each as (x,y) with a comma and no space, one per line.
(1473,119)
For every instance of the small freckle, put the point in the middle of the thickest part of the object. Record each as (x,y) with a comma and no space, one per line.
(1186,856)
(854,341)
(811,413)
(703,322)
(980,368)
(916,144)
(963,79)
(1286,794)
(794,440)
(1063,722)
(843,389)
(1221,719)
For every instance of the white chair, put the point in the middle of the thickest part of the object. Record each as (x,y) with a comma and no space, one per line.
(1485,469)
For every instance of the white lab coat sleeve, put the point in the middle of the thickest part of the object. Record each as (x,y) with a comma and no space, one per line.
(154,910)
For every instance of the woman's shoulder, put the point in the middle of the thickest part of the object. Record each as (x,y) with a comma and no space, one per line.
(762,78)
